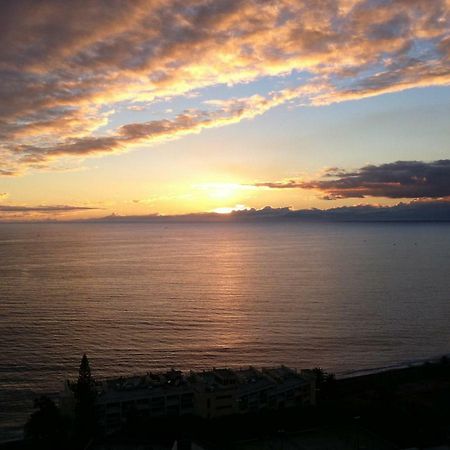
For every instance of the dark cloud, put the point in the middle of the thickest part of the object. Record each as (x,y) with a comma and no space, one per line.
(290,184)
(401,179)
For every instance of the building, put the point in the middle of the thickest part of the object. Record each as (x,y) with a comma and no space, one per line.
(207,394)
(151,395)
(222,392)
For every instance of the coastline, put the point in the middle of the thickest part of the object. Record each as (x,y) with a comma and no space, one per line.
(390,368)
(413,379)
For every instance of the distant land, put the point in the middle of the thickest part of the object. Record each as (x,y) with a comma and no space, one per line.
(415,211)
(433,211)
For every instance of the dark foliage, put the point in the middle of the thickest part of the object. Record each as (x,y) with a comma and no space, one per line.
(85,393)
(46,427)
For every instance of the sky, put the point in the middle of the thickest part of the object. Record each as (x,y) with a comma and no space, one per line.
(175,107)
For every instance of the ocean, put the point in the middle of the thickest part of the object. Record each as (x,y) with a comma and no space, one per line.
(140,297)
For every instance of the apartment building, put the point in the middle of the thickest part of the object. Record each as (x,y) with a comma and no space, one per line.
(207,394)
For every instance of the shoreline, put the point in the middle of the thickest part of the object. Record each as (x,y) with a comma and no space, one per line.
(409,364)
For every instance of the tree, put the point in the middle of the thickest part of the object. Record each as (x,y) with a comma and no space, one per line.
(330,378)
(86,384)
(85,394)
(325,382)
(320,376)
(46,427)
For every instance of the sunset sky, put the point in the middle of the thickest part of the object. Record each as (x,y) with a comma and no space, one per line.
(173,107)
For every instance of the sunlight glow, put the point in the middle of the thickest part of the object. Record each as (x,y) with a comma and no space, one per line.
(228,210)
(221,190)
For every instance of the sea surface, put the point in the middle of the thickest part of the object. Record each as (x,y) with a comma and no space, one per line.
(140,297)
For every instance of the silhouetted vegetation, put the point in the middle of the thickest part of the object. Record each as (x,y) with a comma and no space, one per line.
(84,393)
(46,427)
(325,383)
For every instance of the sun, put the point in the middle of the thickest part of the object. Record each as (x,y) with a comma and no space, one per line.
(220,191)
(223,190)
(222,197)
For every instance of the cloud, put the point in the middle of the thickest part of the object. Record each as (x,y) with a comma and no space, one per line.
(64,67)
(401,179)
(190,121)
(43,209)
(3,195)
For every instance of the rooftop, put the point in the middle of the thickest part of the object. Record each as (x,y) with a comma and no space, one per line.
(209,380)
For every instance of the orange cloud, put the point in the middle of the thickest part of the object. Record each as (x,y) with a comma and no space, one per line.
(64,67)
(129,135)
